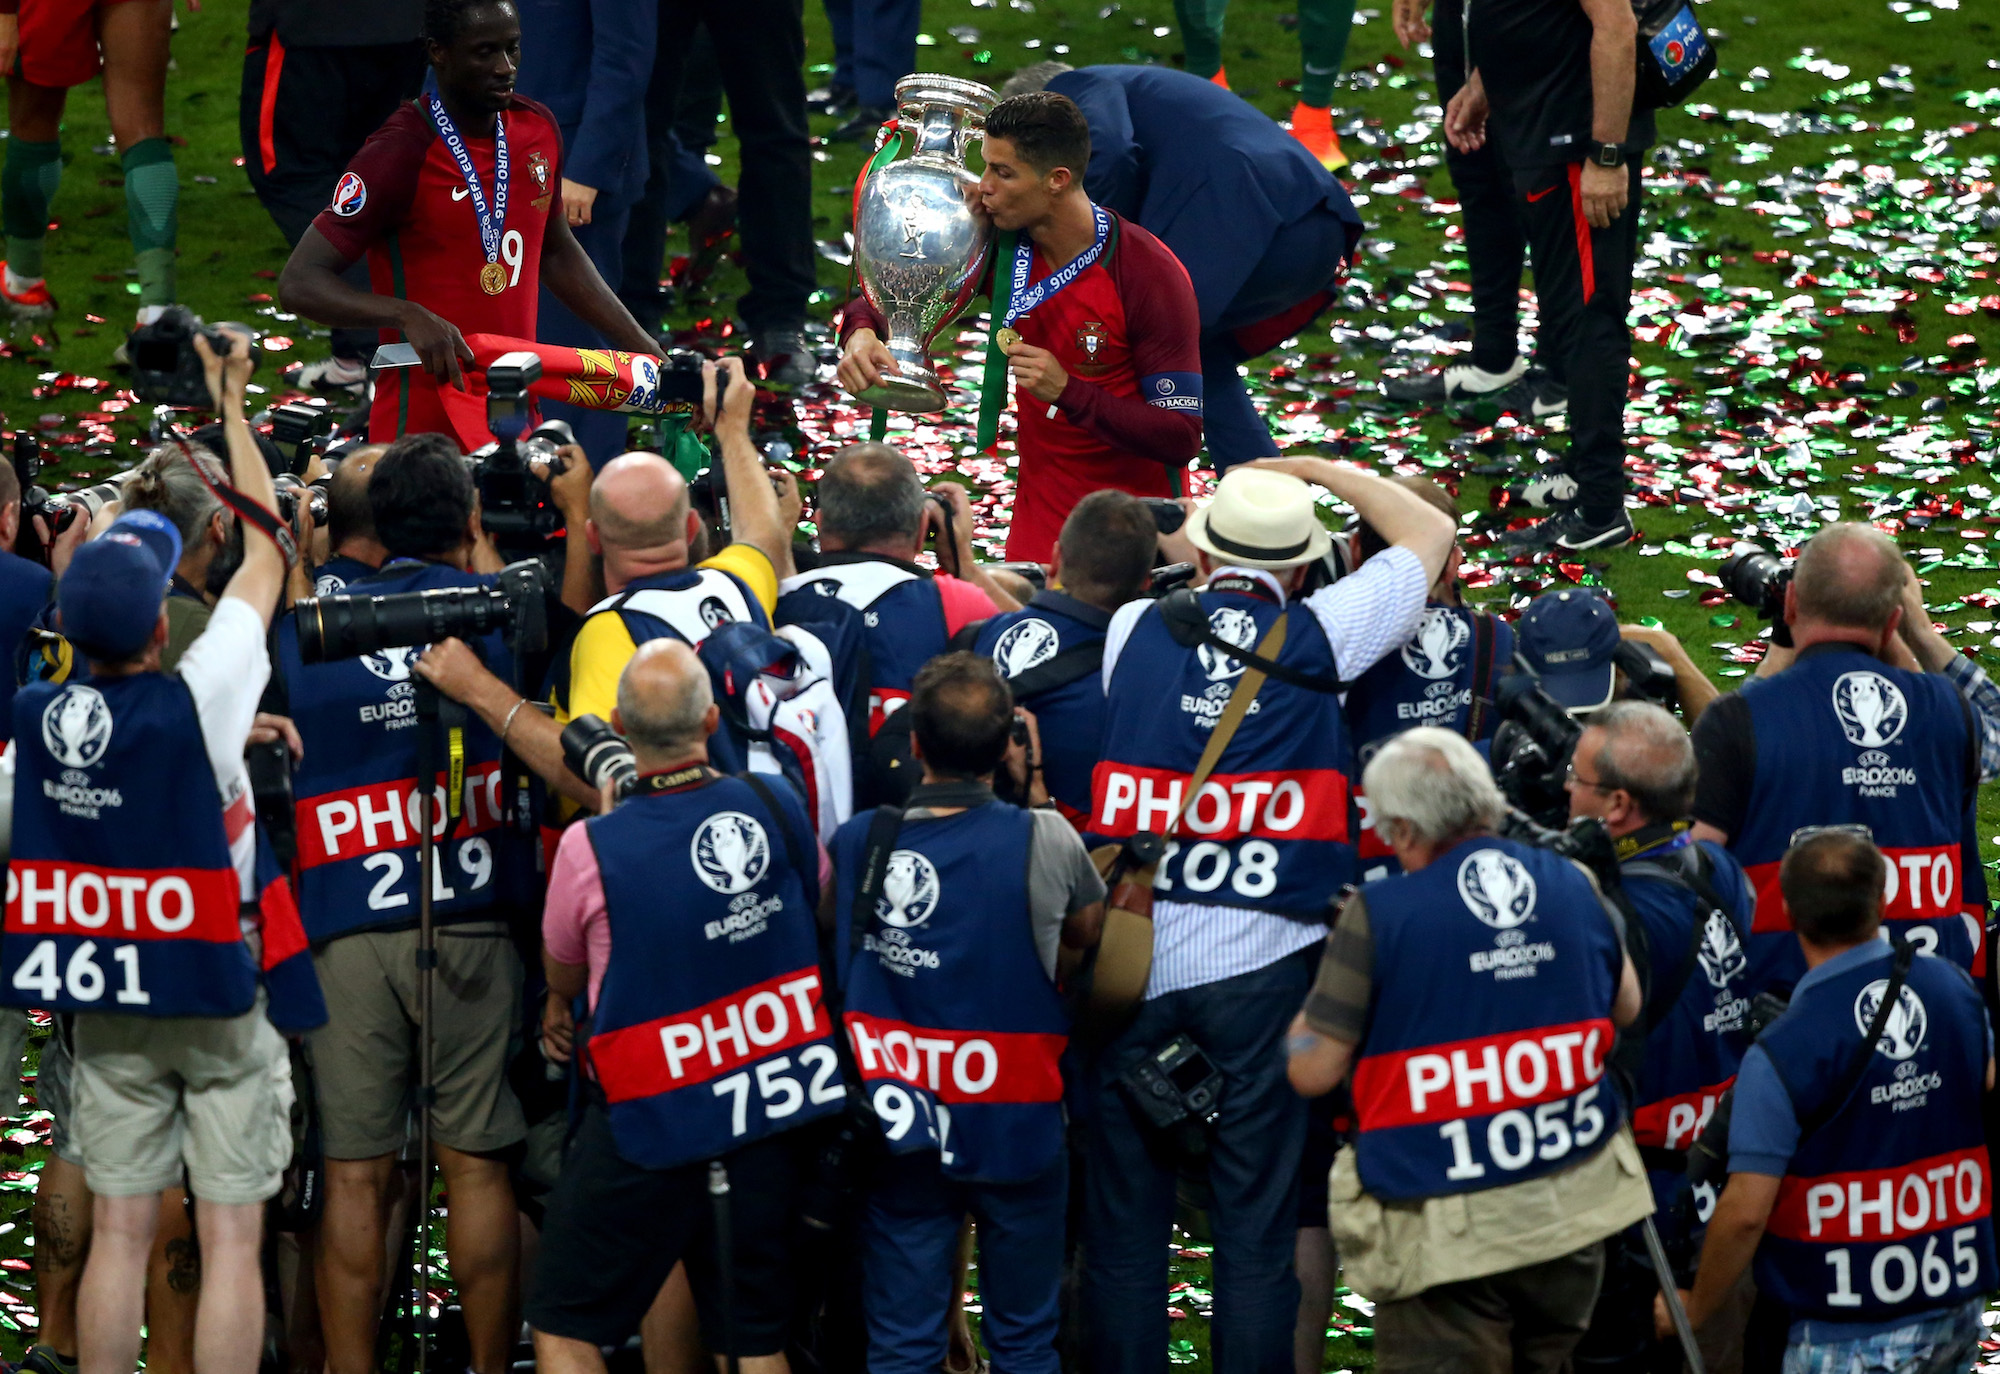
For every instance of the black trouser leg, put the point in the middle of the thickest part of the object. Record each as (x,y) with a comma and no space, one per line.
(1583,285)
(760,47)
(1495,249)
(1495,245)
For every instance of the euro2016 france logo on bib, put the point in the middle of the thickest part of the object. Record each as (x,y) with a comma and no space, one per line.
(1871,708)
(1441,638)
(394,665)
(1497,887)
(1720,952)
(1028,644)
(76,726)
(730,852)
(1236,626)
(1903,1033)
(909,890)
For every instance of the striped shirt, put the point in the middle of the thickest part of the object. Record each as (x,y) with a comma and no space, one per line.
(1366,615)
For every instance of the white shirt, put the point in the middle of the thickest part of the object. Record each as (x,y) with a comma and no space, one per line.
(1366,616)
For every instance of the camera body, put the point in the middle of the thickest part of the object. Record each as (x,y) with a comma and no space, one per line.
(293,493)
(511,473)
(165,368)
(303,426)
(58,509)
(332,627)
(1584,840)
(1175,1085)
(1758,580)
(1532,747)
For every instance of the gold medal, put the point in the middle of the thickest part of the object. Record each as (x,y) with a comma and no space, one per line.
(1006,336)
(492,279)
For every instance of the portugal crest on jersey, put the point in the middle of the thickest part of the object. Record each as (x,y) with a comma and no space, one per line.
(1091,338)
(538,168)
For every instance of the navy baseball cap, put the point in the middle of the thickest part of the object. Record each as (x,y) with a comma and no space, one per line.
(1568,640)
(110,597)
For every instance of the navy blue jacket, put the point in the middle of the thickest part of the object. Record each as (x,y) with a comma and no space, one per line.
(590,64)
(1209,175)
(25,588)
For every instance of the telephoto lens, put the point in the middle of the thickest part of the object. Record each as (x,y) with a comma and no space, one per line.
(599,755)
(332,627)
(1758,580)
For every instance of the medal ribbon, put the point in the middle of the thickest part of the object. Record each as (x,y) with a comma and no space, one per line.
(1023,298)
(492,221)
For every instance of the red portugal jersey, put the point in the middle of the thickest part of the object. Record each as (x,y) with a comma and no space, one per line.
(1128,328)
(404,203)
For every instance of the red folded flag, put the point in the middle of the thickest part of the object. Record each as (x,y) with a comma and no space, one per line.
(594,378)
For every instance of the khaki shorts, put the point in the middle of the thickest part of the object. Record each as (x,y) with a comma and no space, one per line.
(366,1055)
(155,1093)
(54,1093)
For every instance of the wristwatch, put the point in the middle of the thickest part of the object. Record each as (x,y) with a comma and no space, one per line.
(1607,154)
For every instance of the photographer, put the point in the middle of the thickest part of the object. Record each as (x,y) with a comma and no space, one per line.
(662,1119)
(358,892)
(1572,643)
(353,551)
(1243,893)
(643,528)
(1467,649)
(1688,907)
(1051,651)
(24,593)
(1476,1228)
(1858,1162)
(212,542)
(182,1073)
(874,516)
(973,897)
(1841,736)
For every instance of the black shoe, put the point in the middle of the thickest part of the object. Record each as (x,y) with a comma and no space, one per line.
(1536,397)
(1458,382)
(709,226)
(861,128)
(784,356)
(1571,531)
(834,99)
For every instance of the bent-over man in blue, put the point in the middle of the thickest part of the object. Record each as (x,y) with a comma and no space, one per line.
(1263,230)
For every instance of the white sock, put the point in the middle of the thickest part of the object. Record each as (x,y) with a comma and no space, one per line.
(19,285)
(149,313)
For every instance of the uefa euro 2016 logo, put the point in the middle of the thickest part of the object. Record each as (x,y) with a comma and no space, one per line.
(1871,708)
(1237,627)
(1721,952)
(909,890)
(1497,887)
(1440,638)
(730,852)
(1028,644)
(76,726)
(1903,1033)
(396,664)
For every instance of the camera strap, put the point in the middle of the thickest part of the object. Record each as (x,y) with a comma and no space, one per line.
(882,833)
(1482,673)
(264,520)
(1689,872)
(794,853)
(1850,1079)
(1188,624)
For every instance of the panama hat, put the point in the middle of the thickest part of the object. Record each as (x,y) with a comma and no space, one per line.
(1259,518)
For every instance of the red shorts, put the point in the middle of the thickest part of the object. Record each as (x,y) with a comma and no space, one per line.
(59,41)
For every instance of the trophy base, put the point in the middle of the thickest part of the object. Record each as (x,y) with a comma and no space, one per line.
(911,389)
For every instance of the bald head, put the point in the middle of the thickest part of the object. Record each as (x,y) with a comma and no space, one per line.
(1851,576)
(639,518)
(348,514)
(665,707)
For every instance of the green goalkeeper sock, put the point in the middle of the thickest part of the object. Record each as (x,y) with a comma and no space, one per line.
(1324,28)
(152,211)
(28,181)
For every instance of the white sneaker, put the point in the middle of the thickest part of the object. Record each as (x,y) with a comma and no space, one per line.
(330,374)
(1454,383)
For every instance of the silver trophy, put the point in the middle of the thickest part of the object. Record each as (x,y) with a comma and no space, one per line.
(920,239)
